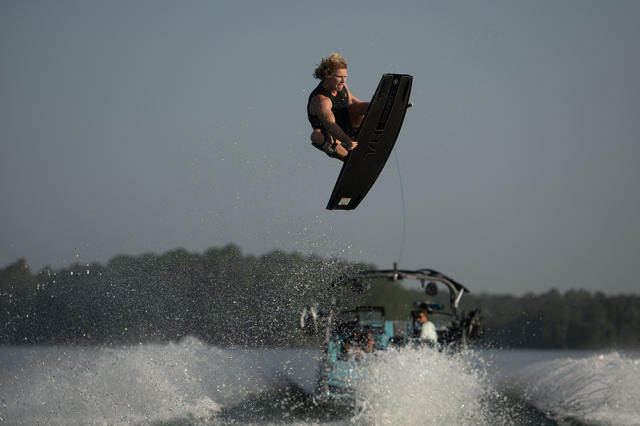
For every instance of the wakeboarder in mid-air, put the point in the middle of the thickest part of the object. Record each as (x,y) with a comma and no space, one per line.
(334,113)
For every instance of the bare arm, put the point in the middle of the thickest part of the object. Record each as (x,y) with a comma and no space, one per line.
(321,106)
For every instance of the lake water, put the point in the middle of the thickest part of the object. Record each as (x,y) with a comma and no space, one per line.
(191,383)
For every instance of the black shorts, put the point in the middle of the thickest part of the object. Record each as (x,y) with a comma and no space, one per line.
(328,146)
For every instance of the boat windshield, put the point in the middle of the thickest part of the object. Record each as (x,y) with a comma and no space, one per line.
(371,318)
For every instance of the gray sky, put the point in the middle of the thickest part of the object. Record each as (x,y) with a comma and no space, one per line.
(144,126)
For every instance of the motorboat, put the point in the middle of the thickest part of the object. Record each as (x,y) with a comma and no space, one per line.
(354,337)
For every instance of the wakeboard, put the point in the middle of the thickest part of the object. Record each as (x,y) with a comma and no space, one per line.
(376,138)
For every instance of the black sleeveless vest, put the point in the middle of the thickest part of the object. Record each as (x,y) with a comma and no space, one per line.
(340,110)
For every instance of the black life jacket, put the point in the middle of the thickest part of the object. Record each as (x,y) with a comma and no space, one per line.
(340,109)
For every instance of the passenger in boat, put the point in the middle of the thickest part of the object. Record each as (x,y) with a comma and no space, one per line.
(369,342)
(351,344)
(427,328)
(356,345)
(334,113)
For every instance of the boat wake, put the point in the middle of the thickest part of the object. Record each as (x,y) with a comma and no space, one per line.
(424,387)
(129,385)
(191,383)
(598,390)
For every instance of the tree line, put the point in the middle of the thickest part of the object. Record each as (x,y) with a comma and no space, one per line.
(222,297)
(226,298)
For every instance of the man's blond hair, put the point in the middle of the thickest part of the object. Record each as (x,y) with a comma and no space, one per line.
(333,62)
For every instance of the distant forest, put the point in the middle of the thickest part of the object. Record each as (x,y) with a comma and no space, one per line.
(226,298)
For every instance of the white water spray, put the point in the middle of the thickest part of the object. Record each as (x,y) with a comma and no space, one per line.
(421,387)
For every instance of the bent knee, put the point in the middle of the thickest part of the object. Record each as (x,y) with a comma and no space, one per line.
(358,108)
(357,112)
(317,137)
